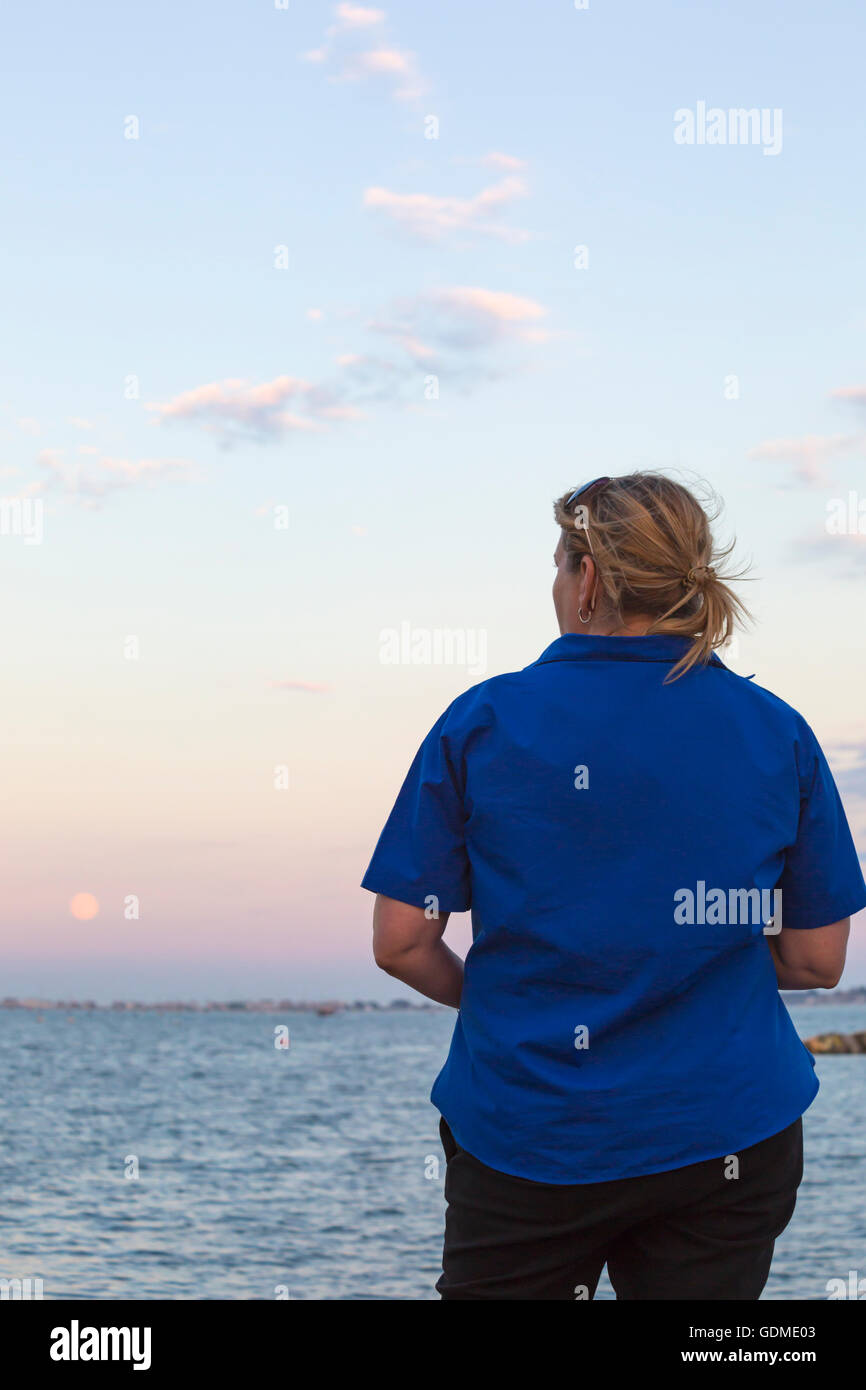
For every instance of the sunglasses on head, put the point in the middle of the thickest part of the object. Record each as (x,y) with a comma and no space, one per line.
(583,494)
(587,490)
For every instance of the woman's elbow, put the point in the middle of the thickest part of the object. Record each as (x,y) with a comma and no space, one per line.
(392,954)
(832,977)
(386,956)
(399,931)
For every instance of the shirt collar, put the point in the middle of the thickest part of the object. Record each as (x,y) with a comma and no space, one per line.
(663,646)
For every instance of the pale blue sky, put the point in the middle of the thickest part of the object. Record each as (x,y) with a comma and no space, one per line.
(155,257)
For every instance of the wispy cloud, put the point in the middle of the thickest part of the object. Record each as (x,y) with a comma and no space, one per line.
(403,333)
(857,394)
(492,314)
(308,687)
(396,66)
(433,218)
(245,408)
(457,331)
(90,483)
(810,453)
(359,17)
(497,160)
(346,49)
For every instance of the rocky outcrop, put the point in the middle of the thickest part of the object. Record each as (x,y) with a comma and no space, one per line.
(837,1042)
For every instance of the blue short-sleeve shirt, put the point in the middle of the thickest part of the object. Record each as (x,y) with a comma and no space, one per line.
(625,847)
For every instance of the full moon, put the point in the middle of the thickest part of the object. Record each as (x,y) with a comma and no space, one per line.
(83,906)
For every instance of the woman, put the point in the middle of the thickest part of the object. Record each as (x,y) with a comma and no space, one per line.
(651,847)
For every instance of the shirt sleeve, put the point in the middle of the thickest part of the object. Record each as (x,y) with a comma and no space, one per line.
(822,881)
(421,853)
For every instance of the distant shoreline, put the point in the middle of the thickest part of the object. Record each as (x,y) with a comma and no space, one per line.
(326,1007)
(234,1006)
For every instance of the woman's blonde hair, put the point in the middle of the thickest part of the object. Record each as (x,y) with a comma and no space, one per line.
(653,546)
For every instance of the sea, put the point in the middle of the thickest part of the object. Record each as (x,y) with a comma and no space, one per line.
(232,1155)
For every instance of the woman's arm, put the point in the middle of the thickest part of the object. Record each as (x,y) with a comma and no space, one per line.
(812,959)
(408,945)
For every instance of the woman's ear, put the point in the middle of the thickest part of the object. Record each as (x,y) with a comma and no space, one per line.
(587,577)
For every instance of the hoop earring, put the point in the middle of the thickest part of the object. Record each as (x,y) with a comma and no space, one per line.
(581,617)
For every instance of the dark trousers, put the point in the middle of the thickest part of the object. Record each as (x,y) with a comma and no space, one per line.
(688,1233)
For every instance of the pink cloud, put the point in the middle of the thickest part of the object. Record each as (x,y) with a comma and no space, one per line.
(493,306)
(497,160)
(343,412)
(344,49)
(359,17)
(235,402)
(809,454)
(389,60)
(431,217)
(850,393)
(456,323)
(288,420)
(408,341)
(91,482)
(308,687)
(232,395)
(235,408)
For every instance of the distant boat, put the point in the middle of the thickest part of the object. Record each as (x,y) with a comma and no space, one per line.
(324,1009)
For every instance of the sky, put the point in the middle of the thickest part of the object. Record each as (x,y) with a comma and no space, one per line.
(311,310)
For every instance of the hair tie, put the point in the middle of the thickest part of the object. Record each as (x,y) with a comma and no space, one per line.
(692,577)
